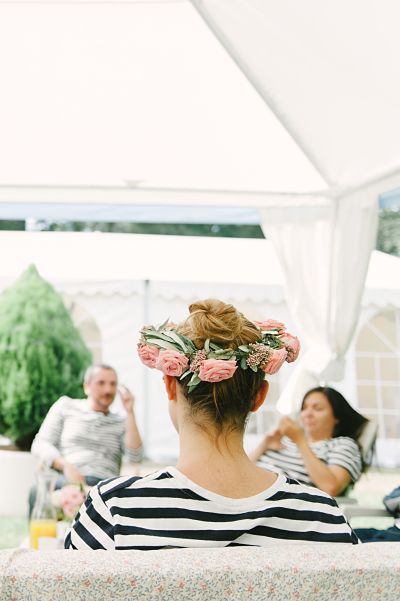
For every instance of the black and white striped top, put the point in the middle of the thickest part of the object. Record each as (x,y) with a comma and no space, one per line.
(342,451)
(90,440)
(166,509)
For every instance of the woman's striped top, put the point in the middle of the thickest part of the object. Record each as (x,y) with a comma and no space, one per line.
(166,509)
(342,451)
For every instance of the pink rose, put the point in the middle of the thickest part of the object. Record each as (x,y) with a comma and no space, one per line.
(270,324)
(215,370)
(171,363)
(70,510)
(71,498)
(275,361)
(148,354)
(292,345)
(71,495)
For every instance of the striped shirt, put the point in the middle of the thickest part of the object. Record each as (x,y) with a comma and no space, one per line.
(166,509)
(342,451)
(90,440)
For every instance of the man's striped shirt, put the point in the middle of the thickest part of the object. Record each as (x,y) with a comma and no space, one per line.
(90,440)
(342,451)
(166,509)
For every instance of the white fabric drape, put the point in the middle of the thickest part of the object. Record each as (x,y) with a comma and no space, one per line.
(328,70)
(324,250)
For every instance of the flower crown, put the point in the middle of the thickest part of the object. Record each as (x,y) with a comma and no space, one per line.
(175,354)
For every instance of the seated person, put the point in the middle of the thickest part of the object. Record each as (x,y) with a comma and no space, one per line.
(392,534)
(82,439)
(323,452)
(214,365)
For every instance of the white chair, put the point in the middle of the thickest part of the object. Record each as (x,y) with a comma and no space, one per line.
(366,441)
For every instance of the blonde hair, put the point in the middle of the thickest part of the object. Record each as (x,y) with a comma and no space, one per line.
(229,402)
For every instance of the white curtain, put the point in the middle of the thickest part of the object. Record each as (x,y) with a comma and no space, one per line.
(324,248)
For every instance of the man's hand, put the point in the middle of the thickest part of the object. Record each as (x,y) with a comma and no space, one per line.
(288,427)
(72,474)
(127,398)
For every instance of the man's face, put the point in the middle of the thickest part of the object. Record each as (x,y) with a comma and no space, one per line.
(101,389)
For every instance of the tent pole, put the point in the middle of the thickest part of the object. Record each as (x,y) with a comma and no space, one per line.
(146,320)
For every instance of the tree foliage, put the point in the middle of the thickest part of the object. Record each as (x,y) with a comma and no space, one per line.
(42,355)
(388,239)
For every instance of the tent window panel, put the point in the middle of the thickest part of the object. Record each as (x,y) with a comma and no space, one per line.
(391,398)
(384,323)
(378,371)
(365,368)
(392,425)
(367,397)
(87,326)
(390,368)
(368,340)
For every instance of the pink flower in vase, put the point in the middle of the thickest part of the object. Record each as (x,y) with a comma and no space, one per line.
(71,499)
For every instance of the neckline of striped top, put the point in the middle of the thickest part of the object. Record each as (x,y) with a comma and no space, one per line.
(264,495)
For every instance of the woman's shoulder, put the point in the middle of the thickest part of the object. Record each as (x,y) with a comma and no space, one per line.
(345,442)
(307,493)
(116,486)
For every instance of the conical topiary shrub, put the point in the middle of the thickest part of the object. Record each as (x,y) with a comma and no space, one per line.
(42,355)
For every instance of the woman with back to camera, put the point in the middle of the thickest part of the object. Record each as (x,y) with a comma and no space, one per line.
(214,365)
(324,452)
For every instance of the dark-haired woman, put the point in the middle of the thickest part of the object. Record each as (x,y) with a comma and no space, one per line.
(323,451)
(214,367)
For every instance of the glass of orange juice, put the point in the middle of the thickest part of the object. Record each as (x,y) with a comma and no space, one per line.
(41,528)
(43,525)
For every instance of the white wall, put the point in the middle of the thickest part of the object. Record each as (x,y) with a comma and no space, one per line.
(17,475)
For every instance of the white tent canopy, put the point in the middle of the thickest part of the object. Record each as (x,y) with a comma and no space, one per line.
(137,101)
(96,258)
(103,93)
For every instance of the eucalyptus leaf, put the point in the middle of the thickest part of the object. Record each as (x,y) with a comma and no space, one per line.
(162,343)
(176,338)
(207,345)
(244,348)
(254,368)
(194,380)
(162,326)
(189,343)
(243,363)
(165,336)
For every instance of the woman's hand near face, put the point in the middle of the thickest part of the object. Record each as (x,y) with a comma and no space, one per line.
(290,428)
(271,441)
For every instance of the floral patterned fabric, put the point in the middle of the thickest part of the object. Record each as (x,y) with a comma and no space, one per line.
(277,573)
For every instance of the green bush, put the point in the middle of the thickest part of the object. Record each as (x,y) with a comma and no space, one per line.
(42,355)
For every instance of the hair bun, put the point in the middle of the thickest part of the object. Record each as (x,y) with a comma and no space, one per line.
(218,321)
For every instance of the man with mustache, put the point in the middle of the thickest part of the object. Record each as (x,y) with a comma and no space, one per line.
(82,439)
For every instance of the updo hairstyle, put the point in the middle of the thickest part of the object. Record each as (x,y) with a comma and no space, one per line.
(226,403)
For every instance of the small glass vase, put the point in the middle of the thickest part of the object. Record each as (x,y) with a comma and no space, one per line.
(43,524)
